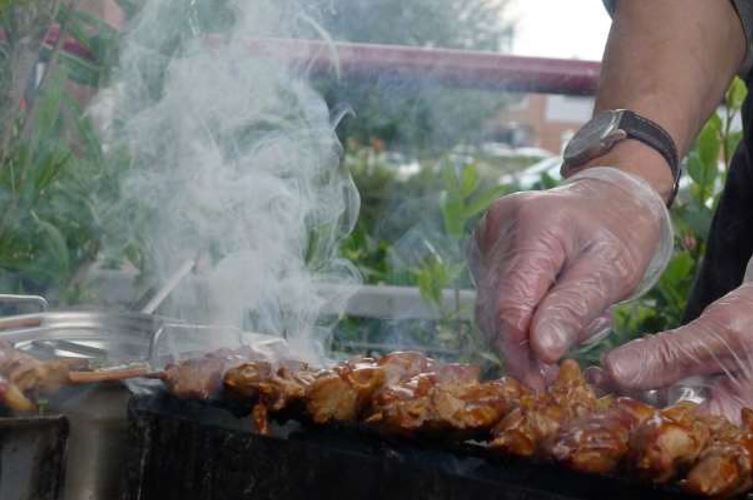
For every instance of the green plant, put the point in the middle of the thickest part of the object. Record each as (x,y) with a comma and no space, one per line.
(406,114)
(51,162)
(461,202)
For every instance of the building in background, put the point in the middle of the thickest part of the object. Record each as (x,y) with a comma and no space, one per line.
(542,121)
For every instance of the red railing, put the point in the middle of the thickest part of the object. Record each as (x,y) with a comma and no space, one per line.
(454,68)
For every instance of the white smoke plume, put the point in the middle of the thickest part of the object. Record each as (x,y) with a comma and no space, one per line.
(233,157)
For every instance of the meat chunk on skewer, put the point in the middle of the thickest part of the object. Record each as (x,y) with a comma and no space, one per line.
(669,442)
(28,373)
(725,468)
(357,386)
(327,395)
(342,394)
(598,443)
(350,390)
(272,389)
(528,428)
(12,397)
(23,377)
(426,404)
(201,378)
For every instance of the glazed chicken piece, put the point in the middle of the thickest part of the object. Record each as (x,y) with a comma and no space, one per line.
(12,397)
(528,428)
(28,373)
(669,442)
(342,394)
(274,390)
(23,377)
(431,404)
(598,443)
(725,467)
(401,366)
(471,408)
(328,395)
(348,391)
(201,378)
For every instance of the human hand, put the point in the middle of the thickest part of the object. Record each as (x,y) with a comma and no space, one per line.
(718,346)
(548,264)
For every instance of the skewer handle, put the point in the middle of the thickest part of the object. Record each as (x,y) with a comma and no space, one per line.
(92,377)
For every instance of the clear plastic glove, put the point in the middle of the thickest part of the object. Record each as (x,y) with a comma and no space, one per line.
(718,345)
(549,264)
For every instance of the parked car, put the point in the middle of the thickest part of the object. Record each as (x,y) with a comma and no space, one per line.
(528,178)
(405,167)
(503,150)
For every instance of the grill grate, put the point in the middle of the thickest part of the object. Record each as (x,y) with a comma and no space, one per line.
(194,451)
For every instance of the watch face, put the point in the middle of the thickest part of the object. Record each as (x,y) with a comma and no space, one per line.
(590,139)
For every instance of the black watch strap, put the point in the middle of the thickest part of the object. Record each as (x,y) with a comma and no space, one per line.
(644,130)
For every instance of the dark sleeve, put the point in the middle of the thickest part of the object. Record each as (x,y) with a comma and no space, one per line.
(744,9)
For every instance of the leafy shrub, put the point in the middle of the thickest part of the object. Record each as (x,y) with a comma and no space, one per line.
(52,168)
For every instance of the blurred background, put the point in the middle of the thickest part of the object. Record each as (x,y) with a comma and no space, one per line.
(429,148)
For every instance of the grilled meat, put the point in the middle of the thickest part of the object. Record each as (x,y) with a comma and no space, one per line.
(409,394)
(725,468)
(201,378)
(273,389)
(23,377)
(427,404)
(529,427)
(598,443)
(342,394)
(668,443)
(346,392)
(12,397)
(28,373)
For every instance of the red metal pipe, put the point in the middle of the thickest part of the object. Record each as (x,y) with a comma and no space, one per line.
(454,68)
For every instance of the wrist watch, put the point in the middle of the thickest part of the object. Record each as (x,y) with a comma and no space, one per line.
(606,129)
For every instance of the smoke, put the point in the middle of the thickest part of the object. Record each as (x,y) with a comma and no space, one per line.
(234,160)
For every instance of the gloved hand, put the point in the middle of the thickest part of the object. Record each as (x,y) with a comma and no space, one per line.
(718,345)
(548,264)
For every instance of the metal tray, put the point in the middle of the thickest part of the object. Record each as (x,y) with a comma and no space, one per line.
(114,338)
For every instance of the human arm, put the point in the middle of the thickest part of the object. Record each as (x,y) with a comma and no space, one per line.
(548,264)
(672,66)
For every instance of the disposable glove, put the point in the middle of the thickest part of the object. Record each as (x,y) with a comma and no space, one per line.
(717,346)
(549,264)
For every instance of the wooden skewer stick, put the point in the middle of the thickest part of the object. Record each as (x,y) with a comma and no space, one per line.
(92,377)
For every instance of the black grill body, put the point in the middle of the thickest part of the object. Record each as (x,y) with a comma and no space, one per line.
(193,451)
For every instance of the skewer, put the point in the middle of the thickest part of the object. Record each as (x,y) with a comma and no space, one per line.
(410,394)
(111,375)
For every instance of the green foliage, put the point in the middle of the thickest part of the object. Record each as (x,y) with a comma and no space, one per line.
(458,24)
(51,164)
(410,116)
(439,206)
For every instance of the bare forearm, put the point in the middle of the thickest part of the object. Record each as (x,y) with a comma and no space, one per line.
(670,61)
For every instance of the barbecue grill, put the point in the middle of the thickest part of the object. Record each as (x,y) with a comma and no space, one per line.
(138,442)
(190,450)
